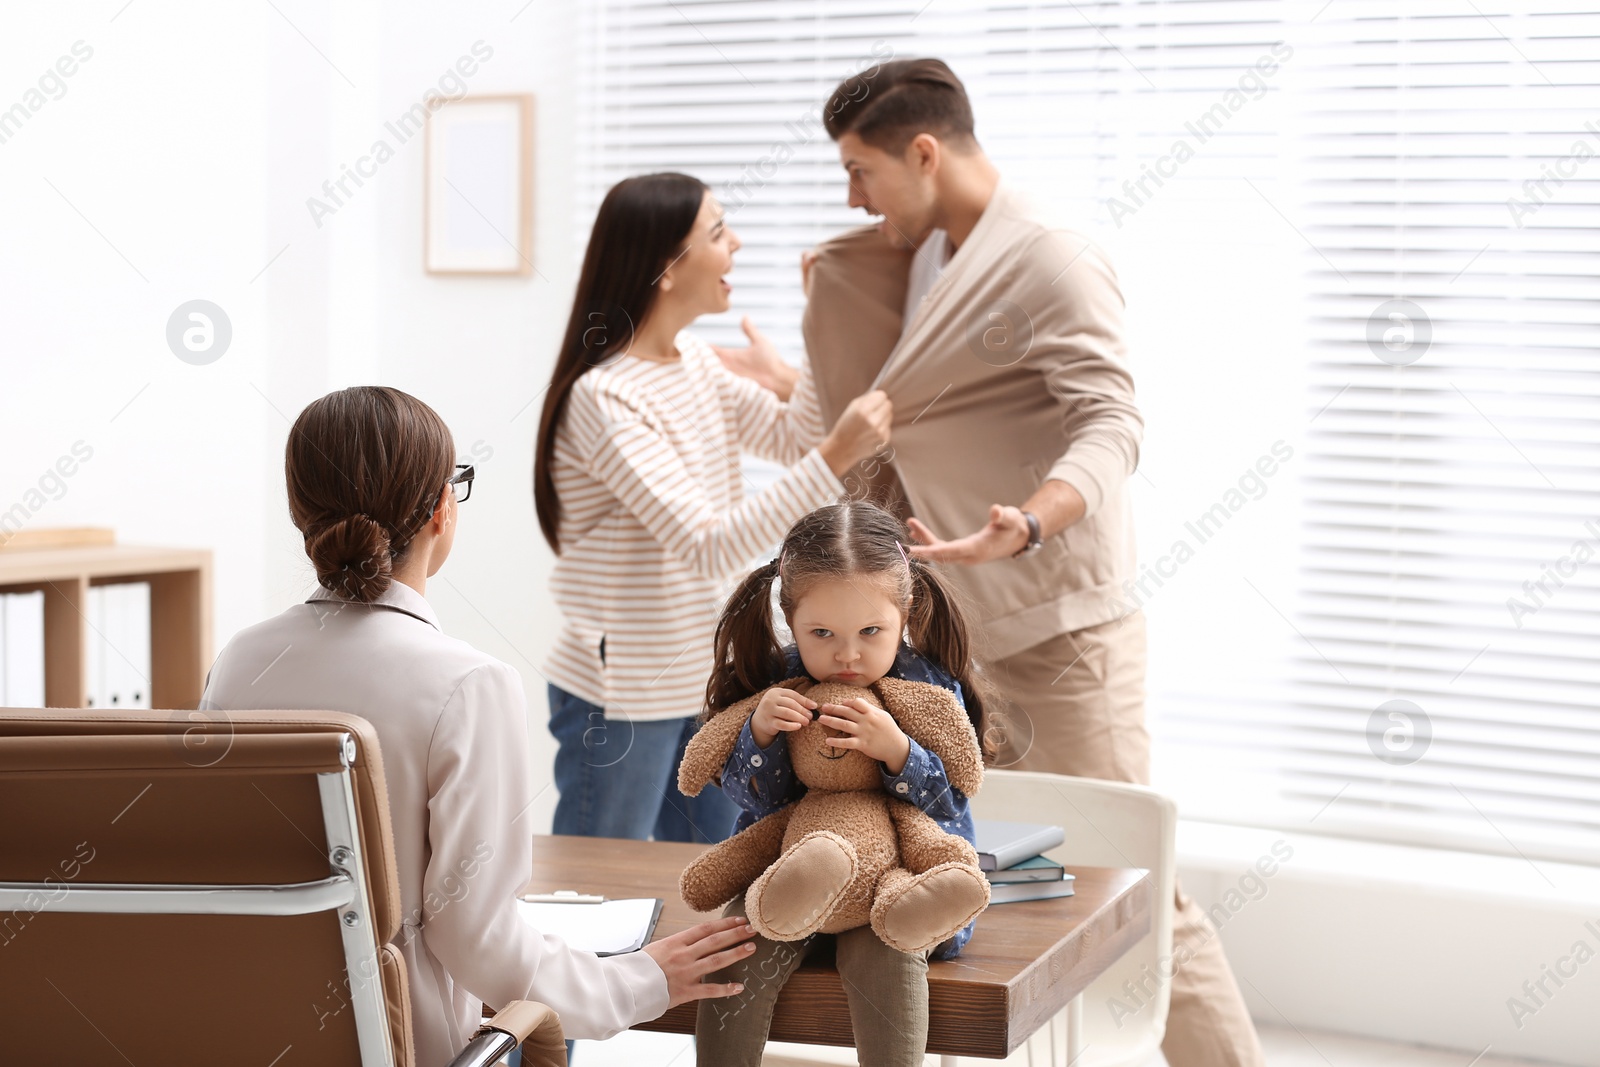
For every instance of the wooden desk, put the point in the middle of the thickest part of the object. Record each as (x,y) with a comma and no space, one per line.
(1025,963)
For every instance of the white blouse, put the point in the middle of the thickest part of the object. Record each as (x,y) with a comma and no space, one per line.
(452,726)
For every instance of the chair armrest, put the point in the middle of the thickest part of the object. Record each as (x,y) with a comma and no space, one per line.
(534,1026)
(537,1029)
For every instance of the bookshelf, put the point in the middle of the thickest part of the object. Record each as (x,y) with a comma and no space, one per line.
(180,610)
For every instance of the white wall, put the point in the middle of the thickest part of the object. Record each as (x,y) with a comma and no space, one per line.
(478,349)
(140,188)
(190,140)
(1414,945)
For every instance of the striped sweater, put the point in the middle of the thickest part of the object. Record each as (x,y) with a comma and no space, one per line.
(655,522)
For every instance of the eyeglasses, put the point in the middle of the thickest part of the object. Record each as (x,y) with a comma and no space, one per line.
(465,472)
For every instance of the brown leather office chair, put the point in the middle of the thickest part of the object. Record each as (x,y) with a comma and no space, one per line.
(194,887)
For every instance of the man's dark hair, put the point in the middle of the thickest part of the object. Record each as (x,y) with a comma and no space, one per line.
(889,104)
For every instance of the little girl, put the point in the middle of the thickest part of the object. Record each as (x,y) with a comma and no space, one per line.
(849,590)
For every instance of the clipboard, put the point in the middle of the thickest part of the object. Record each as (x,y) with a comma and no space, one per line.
(607,928)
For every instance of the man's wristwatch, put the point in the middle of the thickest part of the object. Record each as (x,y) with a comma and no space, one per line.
(1035,538)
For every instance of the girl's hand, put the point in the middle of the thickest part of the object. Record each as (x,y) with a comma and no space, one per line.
(869,730)
(779,711)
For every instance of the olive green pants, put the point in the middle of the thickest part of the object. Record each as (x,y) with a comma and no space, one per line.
(887,991)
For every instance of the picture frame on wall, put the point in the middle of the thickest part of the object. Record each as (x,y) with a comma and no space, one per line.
(478,186)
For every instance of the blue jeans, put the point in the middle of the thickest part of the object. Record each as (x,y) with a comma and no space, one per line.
(619,778)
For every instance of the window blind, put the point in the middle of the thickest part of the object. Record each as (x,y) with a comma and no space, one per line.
(1455,340)
(1451,453)
(1068,97)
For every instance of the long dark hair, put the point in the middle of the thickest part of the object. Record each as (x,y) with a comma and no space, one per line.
(640,229)
(364,467)
(853,538)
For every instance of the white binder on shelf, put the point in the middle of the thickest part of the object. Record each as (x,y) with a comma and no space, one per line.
(22,650)
(118,650)
(131,608)
(139,621)
(94,649)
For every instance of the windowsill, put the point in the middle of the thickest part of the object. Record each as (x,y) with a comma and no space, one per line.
(1231,850)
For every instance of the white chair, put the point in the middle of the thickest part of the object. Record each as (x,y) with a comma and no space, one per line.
(1108,824)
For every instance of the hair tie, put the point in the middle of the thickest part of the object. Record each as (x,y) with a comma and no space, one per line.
(903,555)
(782,554)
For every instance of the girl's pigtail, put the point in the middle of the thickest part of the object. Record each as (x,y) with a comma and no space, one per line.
(747,658)
(937,628)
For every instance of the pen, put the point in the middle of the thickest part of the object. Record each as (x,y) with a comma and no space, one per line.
(564,896)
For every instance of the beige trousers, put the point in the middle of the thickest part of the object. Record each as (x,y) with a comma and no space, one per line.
(1075,705)
(887,991)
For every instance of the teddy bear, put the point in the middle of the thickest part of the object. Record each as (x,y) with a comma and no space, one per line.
(847,853)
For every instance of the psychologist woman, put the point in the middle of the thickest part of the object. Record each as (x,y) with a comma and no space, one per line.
(372,483)
(638,490)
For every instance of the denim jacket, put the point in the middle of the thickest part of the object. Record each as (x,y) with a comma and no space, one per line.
(762,780)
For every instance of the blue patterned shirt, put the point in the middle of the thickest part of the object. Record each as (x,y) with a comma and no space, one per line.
(762,780)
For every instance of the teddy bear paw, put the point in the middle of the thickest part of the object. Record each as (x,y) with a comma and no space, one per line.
(796,895)
(923,910)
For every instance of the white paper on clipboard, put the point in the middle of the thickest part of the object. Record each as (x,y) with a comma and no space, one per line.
(607,929)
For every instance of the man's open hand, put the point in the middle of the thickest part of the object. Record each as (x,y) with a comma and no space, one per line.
(1005,534)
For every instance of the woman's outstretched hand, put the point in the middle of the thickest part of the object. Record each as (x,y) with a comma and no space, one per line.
(688,956)
(862,430)
(759,362)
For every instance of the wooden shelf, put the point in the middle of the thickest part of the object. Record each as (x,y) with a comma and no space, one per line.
(180,614)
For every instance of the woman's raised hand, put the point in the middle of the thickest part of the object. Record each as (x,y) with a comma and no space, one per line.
(689,955)
(861,431)
(759,362)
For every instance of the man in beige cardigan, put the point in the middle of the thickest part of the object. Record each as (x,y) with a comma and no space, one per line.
(1000,341)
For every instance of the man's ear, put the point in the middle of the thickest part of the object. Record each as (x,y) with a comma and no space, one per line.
(924,153)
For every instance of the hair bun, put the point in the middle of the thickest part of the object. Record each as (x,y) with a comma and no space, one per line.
(352,557)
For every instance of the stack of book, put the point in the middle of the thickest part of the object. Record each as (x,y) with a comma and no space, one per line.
(1010,854)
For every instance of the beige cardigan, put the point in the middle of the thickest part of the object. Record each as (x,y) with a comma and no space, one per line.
(1011,372)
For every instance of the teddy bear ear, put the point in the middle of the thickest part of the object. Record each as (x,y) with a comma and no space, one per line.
(708,750)
(930,715)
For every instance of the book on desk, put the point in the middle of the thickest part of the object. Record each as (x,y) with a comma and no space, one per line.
(1010,855)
